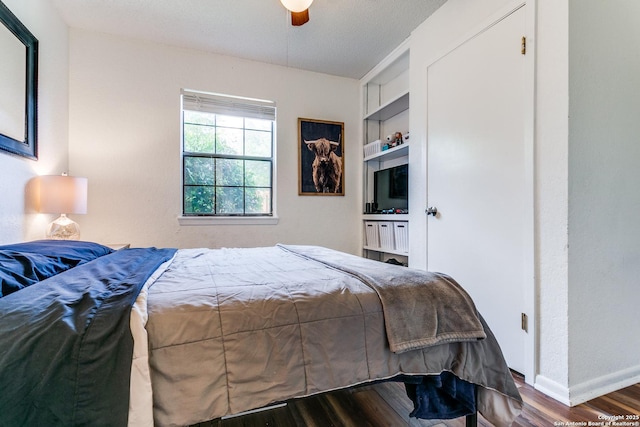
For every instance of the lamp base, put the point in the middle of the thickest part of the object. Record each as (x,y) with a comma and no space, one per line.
(63,228)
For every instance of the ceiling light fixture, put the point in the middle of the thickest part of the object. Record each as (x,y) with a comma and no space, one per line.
(299,10)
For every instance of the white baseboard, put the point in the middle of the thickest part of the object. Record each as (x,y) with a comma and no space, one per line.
(552,389)
(587,390)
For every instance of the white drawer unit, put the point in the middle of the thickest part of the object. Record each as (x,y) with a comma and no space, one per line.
(386,235)
(387,238)
(372,237)
(401,234)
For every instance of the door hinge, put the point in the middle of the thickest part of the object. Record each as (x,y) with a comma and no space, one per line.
(524,322)
(523,46)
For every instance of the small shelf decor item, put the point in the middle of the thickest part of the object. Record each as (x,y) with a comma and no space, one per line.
(320,158)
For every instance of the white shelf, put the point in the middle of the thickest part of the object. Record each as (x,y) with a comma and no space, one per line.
(386,251)
(386,217)
(392,153)
(392,108)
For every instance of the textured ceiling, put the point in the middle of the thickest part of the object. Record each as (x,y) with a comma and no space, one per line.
(343,37)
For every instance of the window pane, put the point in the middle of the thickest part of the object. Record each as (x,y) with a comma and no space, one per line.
(230,121)
(229,200)
(258,200)
(198,171)
(198,200)
(229,172)
(258,143)
(198,117)
(229,141)
(257,173)
(227,159)
(257,124)
(199,138)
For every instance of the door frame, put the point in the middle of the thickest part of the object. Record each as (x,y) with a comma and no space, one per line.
(530,296)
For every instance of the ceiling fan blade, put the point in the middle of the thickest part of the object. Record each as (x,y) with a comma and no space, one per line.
(299,18)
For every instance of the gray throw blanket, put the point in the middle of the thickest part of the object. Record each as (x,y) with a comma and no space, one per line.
(420,308)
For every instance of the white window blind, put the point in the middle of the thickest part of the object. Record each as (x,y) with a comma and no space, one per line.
(228,105)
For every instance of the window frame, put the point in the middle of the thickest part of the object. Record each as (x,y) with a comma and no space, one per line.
(228,105)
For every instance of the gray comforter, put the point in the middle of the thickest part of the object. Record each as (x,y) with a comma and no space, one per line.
(236,329)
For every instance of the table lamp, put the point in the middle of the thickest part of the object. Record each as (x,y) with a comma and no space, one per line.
(62,194)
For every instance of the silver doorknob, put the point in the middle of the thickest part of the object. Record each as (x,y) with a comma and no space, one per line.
(432,211)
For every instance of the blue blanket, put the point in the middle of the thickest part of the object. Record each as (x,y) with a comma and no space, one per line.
(23,264)
(443,396)
(66,346)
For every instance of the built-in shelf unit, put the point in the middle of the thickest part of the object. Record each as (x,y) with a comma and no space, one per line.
(385,96)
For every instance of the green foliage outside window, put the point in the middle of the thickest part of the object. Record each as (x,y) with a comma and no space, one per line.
(227,165)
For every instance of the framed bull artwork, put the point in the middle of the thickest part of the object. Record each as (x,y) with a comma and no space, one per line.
(320,158)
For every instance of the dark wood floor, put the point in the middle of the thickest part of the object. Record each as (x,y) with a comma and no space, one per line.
(386,404)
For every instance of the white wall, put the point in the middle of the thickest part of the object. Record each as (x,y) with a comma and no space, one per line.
(19,222)
(551,197)
(604,196)
(125,137)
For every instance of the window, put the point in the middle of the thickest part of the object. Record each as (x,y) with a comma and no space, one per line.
(227,155)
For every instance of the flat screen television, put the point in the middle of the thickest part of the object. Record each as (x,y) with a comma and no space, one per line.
(391,188)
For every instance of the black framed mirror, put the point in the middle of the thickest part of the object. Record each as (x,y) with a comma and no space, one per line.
(18,87)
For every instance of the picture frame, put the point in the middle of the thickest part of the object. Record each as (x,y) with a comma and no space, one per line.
(320,157)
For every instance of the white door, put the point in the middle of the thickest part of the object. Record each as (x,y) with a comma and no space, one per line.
(477,176)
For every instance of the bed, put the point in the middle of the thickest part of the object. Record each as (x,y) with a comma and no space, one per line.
(144,336)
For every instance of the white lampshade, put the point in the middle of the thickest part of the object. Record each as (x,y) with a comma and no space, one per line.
(63,194)
(296,5)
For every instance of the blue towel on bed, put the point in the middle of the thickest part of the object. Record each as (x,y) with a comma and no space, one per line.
(442,397)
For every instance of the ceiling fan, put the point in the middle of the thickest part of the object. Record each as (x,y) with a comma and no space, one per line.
(299,10)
